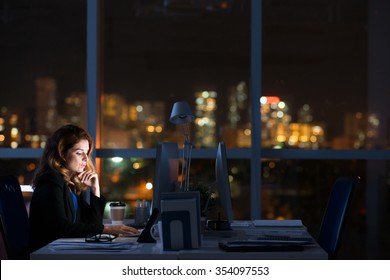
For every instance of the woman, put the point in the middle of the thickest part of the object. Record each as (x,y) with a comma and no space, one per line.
(61,206)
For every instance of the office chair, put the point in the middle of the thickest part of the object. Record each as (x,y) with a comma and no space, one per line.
(13,219)
(3,250)
(335,214)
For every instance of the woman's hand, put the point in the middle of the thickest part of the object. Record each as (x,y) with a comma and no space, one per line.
(90,178)
(120,229)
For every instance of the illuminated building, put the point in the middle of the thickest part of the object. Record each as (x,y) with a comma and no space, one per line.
(46,105)
(206,105)
(136,125)
(279,132)
(74,112)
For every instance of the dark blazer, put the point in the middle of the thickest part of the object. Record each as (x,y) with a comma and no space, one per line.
(52,211)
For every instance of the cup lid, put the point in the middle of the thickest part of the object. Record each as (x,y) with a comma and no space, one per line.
(118,203)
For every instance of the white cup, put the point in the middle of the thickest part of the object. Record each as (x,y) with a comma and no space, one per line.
(117,210)
(156,231)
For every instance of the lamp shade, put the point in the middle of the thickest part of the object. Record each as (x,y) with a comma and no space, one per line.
(181,113)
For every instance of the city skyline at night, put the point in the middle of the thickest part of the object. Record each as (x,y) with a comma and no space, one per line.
(134,120)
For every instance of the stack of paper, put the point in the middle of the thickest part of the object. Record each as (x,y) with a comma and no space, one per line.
(74,244)
(277,223)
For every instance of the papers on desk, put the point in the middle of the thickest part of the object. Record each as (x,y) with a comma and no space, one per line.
(241,224)
(266,223)
(78,244)
(277,223)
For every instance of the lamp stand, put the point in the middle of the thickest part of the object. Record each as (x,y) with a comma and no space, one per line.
(186,161)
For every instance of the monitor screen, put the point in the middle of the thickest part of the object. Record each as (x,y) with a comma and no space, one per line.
(223,184)
(167,171)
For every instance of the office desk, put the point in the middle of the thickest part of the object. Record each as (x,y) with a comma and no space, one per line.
(154,251)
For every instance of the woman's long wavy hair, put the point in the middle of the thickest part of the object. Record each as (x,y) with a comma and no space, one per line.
(54,155)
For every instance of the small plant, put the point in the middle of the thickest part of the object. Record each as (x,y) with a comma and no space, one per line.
(207,201)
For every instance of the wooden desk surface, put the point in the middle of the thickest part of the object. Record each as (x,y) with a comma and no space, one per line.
(127,248)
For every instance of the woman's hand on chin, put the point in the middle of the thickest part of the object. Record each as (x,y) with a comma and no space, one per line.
(90,178)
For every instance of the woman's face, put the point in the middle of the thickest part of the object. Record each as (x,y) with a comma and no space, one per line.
(77,156)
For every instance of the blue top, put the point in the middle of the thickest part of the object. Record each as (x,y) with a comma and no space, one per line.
(74,205)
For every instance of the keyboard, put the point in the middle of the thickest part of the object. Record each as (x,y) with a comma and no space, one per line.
(261,246)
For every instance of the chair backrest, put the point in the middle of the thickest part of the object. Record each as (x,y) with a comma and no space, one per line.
(3,249)
(335,214)
(13,218)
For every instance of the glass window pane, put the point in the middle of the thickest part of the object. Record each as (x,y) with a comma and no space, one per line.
(124,179)
(160,52)
(23,169)
(129,180)
(42,73)
(315,76)
(299,189)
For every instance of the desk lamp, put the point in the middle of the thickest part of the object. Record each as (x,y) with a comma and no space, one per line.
(182,115)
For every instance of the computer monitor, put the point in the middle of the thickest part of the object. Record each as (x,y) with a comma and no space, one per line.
(167,171)
(223,184)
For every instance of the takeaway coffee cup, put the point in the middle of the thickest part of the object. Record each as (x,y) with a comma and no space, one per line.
(117,210)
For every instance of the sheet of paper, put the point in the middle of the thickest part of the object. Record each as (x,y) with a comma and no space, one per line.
(241,223)
(277,223)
